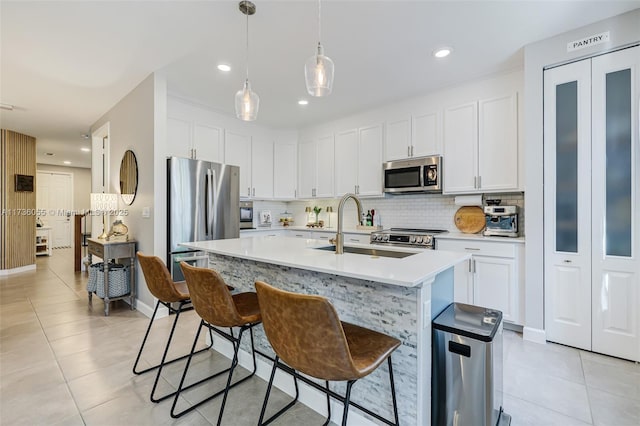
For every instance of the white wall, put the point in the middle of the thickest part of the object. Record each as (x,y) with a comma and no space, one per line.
(623,29)
(132,126)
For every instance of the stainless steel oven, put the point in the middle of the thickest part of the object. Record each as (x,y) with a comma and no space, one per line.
(406,237)
(422,174)
(246,214)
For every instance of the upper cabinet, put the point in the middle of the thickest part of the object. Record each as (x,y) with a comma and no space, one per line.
(359,161)
(316,168)
(255,161)
(238,153)
(481,146)
(417,135)
(284,170)
(186,138)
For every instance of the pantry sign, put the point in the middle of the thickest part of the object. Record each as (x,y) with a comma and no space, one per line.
(588,41)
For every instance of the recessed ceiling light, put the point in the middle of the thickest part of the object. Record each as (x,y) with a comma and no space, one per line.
(224,67)
(49,154)
(85,149)
(303,102)
(84,136)
(7,107)
(67,162)
(442,52)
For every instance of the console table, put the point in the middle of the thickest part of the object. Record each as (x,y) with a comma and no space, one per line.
(107,250)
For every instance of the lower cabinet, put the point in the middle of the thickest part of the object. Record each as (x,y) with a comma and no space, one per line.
(492,278)
(263,233)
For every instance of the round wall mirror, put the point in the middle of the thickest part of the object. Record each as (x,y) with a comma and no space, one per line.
(128,177)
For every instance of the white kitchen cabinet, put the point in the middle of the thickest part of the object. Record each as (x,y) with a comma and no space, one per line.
(189,139)
(263,233)
(262,160)
(492,278)
(359,161)
(481,146)
(316,168)
(417,135)
(238,153)
(397,141)
(298,233)
(426,134)
(255,161)
(356,238)
(284,170)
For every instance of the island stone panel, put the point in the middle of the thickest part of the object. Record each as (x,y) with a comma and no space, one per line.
(382,307)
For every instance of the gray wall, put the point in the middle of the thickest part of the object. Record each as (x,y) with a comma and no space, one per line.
(624,29)
(131,126)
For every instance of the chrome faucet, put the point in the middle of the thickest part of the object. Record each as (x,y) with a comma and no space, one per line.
(339,241)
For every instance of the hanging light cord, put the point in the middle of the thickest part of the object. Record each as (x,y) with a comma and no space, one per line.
(247,13)
(319,21)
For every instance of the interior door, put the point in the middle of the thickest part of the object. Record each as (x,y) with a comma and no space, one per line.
(616,217)
(55,197)
(567,202)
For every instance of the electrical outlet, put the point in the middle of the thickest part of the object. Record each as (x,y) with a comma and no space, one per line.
(146,212)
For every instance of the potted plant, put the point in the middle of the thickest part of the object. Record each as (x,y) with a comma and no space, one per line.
(317,211)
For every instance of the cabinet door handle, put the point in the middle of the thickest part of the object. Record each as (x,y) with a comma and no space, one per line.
(567,261)
(470,265)
(475,182)
(472,248)
(411,150)
(295,193)
(408,151)
(353,240)
(254,192)
(479,182)
(298,235)
(474,265)
(324,238)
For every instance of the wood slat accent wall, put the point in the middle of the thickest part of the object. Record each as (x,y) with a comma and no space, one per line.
(17,220)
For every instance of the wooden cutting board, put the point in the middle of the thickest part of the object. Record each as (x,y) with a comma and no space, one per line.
(469,219)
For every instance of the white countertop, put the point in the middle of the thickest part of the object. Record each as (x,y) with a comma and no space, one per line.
(477,237)
(300,253)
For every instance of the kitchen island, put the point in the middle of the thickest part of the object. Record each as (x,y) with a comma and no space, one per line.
(396,296)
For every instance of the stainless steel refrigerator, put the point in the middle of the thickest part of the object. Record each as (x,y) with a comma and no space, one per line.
(202,204)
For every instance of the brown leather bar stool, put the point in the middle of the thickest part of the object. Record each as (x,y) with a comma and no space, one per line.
(166,291)
(217,307)
(306,333)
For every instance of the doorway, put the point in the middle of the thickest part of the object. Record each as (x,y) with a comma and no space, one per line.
(54,197)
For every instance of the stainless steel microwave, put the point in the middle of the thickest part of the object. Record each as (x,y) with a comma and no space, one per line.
(422,174)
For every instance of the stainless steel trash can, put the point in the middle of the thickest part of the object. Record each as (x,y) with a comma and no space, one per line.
(467,367)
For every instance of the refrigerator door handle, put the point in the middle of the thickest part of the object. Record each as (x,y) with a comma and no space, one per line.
(211,205)
(206,204)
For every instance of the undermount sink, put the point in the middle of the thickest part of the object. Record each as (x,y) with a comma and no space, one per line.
(369,251)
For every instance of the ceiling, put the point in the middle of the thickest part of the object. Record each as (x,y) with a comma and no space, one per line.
(64,64)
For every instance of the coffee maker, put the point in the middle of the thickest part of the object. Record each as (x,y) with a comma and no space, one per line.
(501,221)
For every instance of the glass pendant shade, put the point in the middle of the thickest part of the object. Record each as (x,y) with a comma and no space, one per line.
(247,103)
(318,74)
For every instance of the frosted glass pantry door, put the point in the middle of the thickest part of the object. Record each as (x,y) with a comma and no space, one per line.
(567,204)
(616,214)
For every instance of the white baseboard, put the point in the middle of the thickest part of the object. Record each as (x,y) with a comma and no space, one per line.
(535,335)
(308,395)
(147,310)
(4,272)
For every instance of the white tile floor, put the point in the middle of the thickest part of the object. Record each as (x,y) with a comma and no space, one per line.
(64,363)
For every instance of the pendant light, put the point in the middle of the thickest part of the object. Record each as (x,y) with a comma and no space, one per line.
(318,70)
(247,101)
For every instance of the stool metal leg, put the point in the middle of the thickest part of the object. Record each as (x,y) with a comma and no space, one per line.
(236,342)
(276,363)
(326,384)
(393,392)
(146,336)
(347,397)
